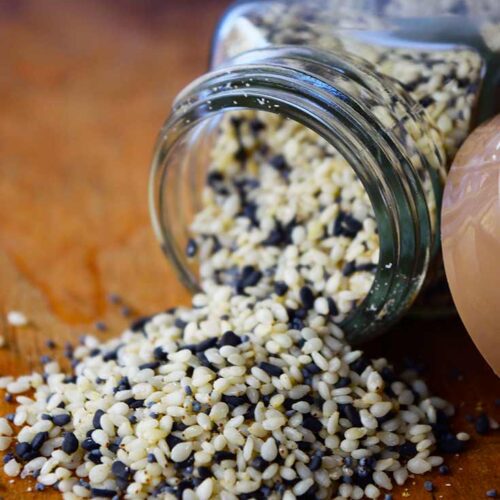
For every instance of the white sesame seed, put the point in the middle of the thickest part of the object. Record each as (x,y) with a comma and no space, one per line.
(418,466)
(17,318)
(181,452)
(269,450)
(12,468)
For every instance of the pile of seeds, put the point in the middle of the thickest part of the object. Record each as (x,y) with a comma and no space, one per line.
(283,209)
(232,398)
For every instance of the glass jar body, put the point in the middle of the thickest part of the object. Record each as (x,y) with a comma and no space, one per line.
(378,127)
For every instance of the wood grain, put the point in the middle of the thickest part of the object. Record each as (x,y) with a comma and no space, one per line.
(84,88)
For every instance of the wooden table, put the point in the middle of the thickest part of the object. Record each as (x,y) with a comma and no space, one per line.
(84,88)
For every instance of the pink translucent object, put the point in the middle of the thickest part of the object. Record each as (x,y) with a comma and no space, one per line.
(471,237)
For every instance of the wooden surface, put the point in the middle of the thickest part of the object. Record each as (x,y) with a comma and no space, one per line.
(84,88)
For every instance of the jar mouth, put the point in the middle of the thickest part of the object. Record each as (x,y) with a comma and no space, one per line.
(336,98)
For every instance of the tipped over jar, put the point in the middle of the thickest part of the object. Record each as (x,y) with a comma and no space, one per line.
(313,154)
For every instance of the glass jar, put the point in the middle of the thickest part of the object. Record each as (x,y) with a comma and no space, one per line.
(392,91)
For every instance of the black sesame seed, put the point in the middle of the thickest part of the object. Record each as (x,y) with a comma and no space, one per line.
(280,288)
(96,421)
(39,487)
(89,444)
(349,268)
(84,484)
(95,456)
(234,401)
(332,307)
(346,225)
(315,463)
(134,403)
(125,311)
(407,449)
(296,324)
(279,488)
(138,324)
(388,496)
(241,154)
(151,458)
(160,354)
(229,338)
(426,101)
(70,443)
(368,267)
(256,125)
(258,463)
(8,397)
(359,365)
(448,443)
(204,472)
(249,211)
(387,374)
(492,494)
(172,440)
(191,248)
(444,470)
(250,413)
(348,411)
(110,355)
(204,362)
(61,419)
(249,277)
(115,446)
(102,492)
(207,344)
(39,439)
(279,163)
(301,312)
(214,178)
(219,456)
(101,326)
(149,366)
(482,424)
(312,423)
(428,486)
(306,297)
(23,450)
(45,359)
(276,236)
(312,368)
(114,298)
(342,382)
(119,469)
(270,369)
(304,446)
(362,476)
(50,344)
